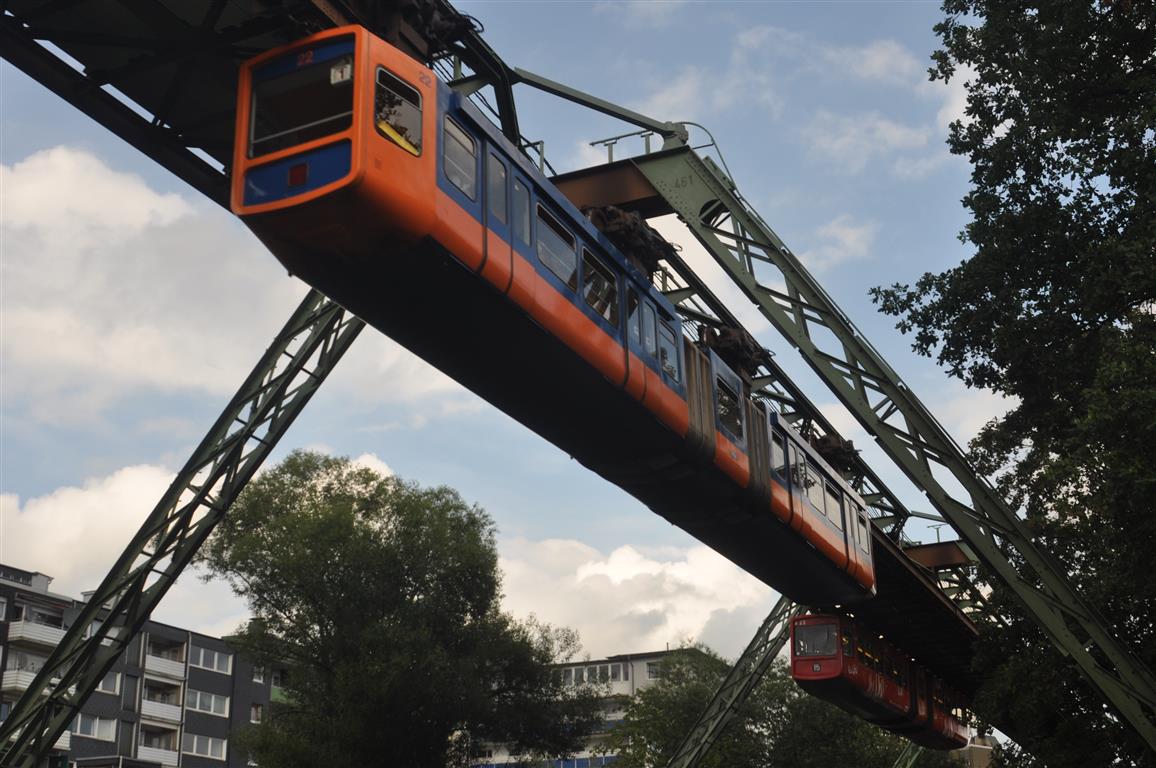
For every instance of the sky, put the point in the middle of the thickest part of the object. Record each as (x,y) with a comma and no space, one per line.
(131,308)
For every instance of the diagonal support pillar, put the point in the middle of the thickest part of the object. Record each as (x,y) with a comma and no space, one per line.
(301,356)
(774,279)
(739,682)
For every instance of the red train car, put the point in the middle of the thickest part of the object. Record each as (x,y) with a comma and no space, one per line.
(843,662)
(382,187)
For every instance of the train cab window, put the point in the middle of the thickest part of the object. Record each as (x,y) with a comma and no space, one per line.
(778,454)
(730,413)
(521,212)
(668,350)
(634,318)
(312,100)
(649,335)
(496,188)
(557,249)
(461,152)
(815,486)
(600,287)
(816,639)
(834,510)
(397,112)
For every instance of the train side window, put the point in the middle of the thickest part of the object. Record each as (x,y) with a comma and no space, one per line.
(557,249)
(521,212)
(815,486)
(600,287)
(668,350)
(649,335)
(798,469)
(496,188)
(634,318)
(778,455)
(864,530)
(834,510)
(730,414)
(397,111)
(461,153)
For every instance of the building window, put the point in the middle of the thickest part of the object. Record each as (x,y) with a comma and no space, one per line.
(3,609)
(205,746)
(152,737)
(102,728)
(165,649)
(110,683)
(218,661)
(279,676)
(212,703)
(258,674)
(461,159)
(653,670)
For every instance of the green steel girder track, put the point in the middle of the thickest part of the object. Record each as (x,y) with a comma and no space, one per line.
(737,686)
(301,356)
(909,756)
(746,248)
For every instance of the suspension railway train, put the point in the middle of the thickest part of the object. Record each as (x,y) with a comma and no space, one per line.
(380,186)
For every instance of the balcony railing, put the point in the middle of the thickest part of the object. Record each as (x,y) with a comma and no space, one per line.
(160,711)
(64,743)
(164,666)
(162,756)
(32,633)
(16,680)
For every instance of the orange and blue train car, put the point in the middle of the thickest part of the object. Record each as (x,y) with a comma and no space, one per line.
(381,186)
(842,661)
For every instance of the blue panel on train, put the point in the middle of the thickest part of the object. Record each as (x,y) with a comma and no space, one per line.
(286,64)
(285,177)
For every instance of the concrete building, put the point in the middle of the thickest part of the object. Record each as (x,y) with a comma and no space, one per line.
(171,700)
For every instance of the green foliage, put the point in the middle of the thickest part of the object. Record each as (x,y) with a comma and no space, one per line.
(778,726)
(380,600)
(1057,308)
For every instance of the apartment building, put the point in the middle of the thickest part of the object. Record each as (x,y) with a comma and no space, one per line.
(172,699)
(625,675)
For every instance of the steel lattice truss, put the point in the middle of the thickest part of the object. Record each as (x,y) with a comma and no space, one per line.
(282,383)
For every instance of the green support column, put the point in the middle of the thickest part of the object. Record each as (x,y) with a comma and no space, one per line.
(771,276)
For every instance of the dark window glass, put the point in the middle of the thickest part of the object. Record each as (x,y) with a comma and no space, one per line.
(600,287)
(864,531)
(397,112)
(833,509)
(311,101)
(634,318)
(729,409)
(778,454)
(461,159)
(496,189)
(649,335)
(521,212)
(816,640)
(556,249)
(798,469)
(668,350)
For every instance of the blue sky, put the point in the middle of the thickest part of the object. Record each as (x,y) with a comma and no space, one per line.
(131,308)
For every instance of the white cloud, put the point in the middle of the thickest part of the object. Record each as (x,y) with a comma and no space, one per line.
(849,142)
(840,240)
(964,411)
(630,601)
(373,462)
(109,288)
(879,60)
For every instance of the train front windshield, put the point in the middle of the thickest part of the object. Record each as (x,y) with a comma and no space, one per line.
(302,96)
(815,639)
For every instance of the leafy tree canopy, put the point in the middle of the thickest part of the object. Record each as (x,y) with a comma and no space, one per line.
(1057,309)
(380,599)
(778,726)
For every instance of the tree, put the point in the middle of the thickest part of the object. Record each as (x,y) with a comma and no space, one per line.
(1057,309)
(778,726)
(380,601)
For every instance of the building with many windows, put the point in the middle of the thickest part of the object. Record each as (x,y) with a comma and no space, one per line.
(172,699)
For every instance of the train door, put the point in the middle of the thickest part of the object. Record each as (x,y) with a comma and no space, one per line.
(497,264)
(635,355)
(521,284)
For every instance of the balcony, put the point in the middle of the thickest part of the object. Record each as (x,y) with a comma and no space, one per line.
(166,667)
(64,743)
(160,711)
(152,754)
(34,633)
(16,680)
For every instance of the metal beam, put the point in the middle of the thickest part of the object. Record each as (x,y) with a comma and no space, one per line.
(793,301)
(737,687)
(283,381)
